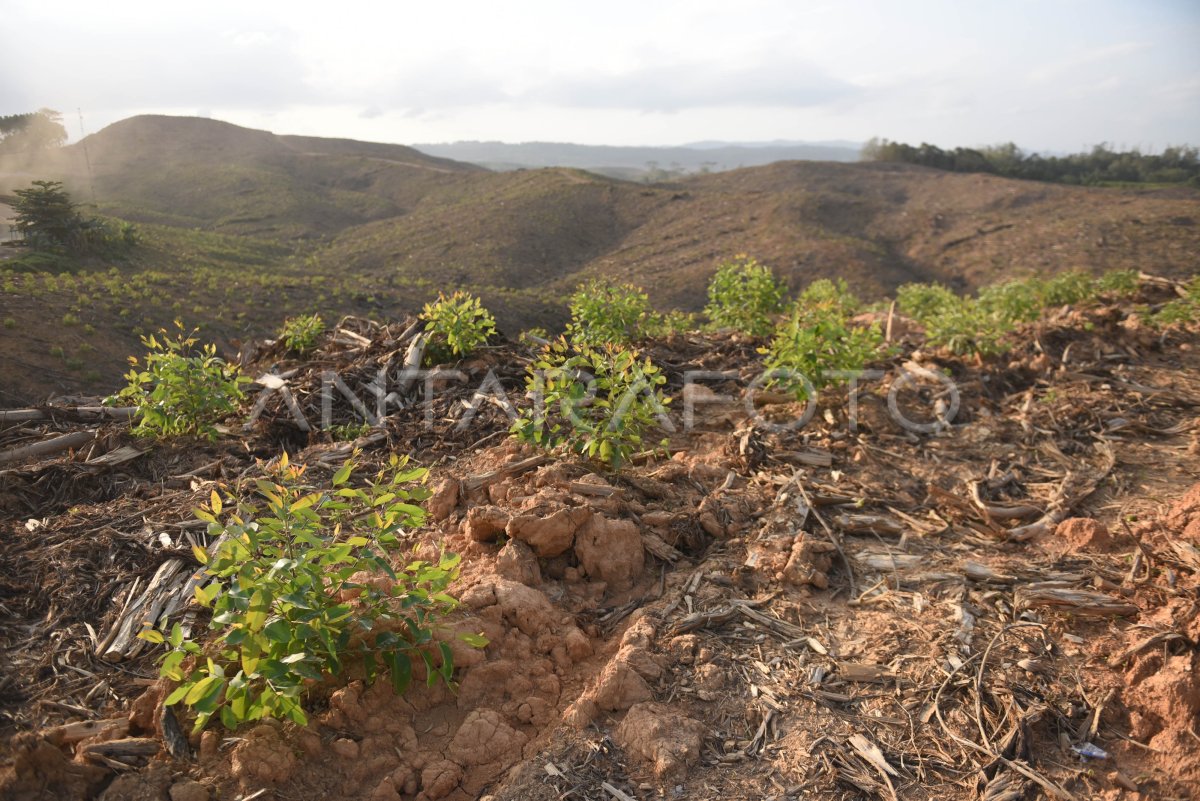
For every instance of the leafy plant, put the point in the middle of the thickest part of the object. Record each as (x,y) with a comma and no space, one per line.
(1012,301)
(745,295)
(300,333)
(925,301)
(1181,310)
(598,402)
(297,588)
(675,322)
(814,344)
(348,432)
(1073,286)
(457,324)
(829,296)
(1118,282)
(605,313)
(968,327)
(183,390)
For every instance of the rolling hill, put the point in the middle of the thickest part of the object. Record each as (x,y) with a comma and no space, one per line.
(242,228)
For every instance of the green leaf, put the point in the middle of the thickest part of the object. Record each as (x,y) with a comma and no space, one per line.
(401,670)
(256,615)
(178,694)
(474,640)
(342,475)
(200,689)
(151,635)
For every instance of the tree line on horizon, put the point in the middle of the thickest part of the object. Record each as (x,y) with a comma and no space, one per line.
(32,131)
(1102,165)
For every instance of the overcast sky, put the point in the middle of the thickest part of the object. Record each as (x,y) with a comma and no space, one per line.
(1047,74)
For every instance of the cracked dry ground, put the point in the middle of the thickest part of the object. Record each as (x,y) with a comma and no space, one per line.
(1004,609)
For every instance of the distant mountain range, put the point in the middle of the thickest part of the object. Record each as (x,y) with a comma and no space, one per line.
(635,162)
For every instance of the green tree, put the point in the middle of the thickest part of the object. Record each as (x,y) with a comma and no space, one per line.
(47,216)
(33,131)
(50,221)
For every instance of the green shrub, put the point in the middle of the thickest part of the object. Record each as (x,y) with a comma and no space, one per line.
(1181,310)
(10,322)
(289,601)
(1074,286)
(675,322)
(1118,282)
(814,343)
(597,402)
(925,301)
(1012,301)
(182,390)
(57,351)
(829,296)
(967,327)
(603,313)
(348,432)
(70,319)
(456,325)
(300,333)
(745,295)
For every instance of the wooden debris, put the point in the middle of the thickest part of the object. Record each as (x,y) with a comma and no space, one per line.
(81,414)
(1077,602)
(122,641)
(864,672)
(122,752)
(49,447)
(1075,486)
(811,457)
(657,546)
(868,524)
(71,733)
(482,480)
(118,456)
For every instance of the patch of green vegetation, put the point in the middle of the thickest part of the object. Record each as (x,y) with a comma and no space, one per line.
(1181,311)
(604,313)
(183,390)
(817,344)
(287,609)
(745,295)
(299,334)
(594,401)
(456,325)
(348,432)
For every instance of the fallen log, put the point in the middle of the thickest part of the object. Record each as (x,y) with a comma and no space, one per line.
(82,413)
(482,480)
(1072,601)
(75,439)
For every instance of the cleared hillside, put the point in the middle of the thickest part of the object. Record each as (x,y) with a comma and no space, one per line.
(878,226)
(199,172)
(243,228)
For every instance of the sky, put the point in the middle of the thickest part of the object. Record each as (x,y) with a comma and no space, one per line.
(1050,75)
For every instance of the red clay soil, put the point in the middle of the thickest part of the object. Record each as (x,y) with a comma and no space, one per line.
(1004,608)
